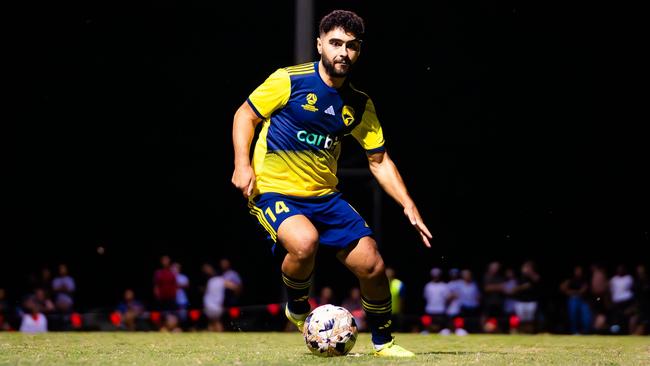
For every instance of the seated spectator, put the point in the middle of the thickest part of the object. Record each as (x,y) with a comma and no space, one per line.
(131,309)
(33,320)
(171,324)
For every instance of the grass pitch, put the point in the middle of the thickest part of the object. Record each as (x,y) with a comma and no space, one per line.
(258,348)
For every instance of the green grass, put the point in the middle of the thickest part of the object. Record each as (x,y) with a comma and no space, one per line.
(257,348)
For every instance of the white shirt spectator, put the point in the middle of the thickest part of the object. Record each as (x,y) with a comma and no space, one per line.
(469,294)
(232,276)
(214,296)
(621,288)
(33,323)
(436,294)
(454,289)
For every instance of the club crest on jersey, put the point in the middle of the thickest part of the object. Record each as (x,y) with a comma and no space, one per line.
(311,101)
(348,115)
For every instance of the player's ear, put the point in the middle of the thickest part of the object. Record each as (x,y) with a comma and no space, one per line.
(319,46)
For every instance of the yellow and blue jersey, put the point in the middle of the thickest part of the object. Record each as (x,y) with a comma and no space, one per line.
(304,120)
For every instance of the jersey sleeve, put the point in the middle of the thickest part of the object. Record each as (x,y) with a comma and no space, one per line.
(271,95)
(369,133)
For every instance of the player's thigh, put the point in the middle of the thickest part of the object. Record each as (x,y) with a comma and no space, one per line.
(363,258)
(298,236)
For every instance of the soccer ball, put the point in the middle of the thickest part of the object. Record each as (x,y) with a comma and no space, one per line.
(330,331)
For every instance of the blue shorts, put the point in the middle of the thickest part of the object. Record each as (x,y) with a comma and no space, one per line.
(337,222)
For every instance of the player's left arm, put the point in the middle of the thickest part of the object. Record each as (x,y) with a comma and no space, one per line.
(385,171)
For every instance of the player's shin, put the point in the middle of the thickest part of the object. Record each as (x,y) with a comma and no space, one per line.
(297,293)
(378,316)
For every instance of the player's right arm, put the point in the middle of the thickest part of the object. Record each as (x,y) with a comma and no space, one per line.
(243,131)
(268,97)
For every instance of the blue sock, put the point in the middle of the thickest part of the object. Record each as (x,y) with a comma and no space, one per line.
(297,294)
(378,315)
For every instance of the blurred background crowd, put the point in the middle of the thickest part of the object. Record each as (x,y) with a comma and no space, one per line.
(498,298)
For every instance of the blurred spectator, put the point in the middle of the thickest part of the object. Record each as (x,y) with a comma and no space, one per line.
(165,286)
(63,288)
(621,288)
(576,288)
(508,289)
(527,296)
(436,295)
(33,319)
(353,304)
(470,301)
(42,280)
(42,301)
(131,309)
(641,318)
(170,324)
(599,296)
(326,296)
(397,294)
(5,311)
(233,292)
(213,298)
(453,307)
(183,284)
(493,298)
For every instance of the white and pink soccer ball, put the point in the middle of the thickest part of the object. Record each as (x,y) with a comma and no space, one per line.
(330,330)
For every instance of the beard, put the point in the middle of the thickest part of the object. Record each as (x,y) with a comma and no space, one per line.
(330,68)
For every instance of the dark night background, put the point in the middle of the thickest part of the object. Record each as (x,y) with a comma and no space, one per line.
(515,126)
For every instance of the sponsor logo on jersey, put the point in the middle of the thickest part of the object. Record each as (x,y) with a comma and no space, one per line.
(314,139)
(330,110)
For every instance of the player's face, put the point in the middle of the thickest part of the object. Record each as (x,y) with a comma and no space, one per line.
(339,51)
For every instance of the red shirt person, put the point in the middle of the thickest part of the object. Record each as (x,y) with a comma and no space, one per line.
(165,286)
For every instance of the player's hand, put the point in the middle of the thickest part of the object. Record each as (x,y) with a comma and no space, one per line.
(244,179)
(416,220)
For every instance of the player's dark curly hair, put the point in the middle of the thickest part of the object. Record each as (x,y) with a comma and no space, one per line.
(348,20)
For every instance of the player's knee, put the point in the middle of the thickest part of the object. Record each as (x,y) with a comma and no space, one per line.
(378,270)
(305,251)
(372,270)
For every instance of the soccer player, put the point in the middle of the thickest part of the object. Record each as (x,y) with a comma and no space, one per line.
(291,182)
